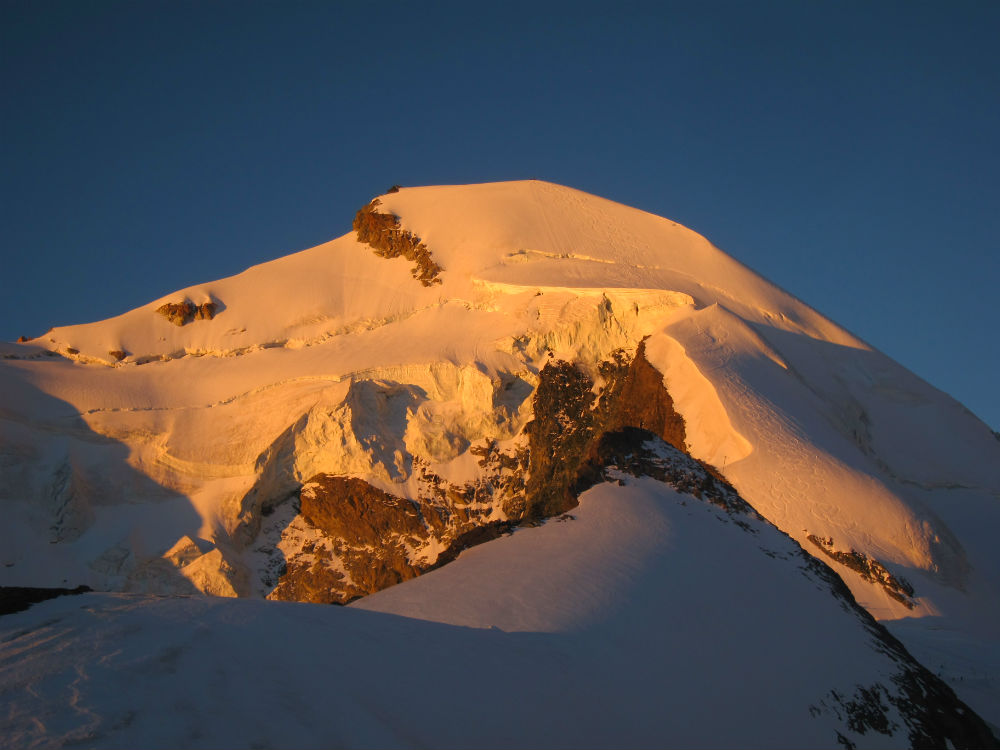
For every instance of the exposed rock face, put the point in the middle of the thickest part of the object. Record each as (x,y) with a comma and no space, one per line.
(569,419)
(504,475)
(371,530)
(354,539)
(182,313)
(357,539)
(932,713)
(349,508)
(627,451)
(639,399)
(389,240)
(564,426)
(871,570)
(365,539)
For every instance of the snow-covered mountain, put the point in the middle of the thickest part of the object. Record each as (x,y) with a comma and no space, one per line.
(467,363)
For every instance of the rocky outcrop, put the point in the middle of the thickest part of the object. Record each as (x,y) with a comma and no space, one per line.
(931,714)
(365,539)
(182,313)
(349,508)
(565,424)
(372,531)
(503,479)
(636,397)
(389,240)
(346,538)
(640,453)
(869,569)
(570,420)
(934,716)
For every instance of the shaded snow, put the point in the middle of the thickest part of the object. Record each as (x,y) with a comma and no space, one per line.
(648,620)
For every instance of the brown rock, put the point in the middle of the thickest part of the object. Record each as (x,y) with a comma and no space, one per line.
(367,527)
(373,532)
(558,437)
(641,400)
(310,580)
(353,510)
(869,569)
(567,423)
(182,313)
(205,311)
(389,240)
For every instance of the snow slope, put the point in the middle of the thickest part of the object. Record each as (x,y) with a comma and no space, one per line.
(649,619)
(335,360)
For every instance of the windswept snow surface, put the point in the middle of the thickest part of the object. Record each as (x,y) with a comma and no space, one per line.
(107,466)
(649,619)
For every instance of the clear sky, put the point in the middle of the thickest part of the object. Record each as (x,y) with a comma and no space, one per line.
(848,151)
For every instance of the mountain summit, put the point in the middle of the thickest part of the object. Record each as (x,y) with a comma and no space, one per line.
(521,407)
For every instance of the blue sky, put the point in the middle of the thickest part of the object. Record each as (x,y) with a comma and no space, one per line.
(846,150)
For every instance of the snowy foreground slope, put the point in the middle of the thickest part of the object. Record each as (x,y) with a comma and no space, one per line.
(647,619)
(333,422)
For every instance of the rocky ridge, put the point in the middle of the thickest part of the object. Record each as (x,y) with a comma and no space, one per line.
(869,569)
(915,701)
(383,232)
